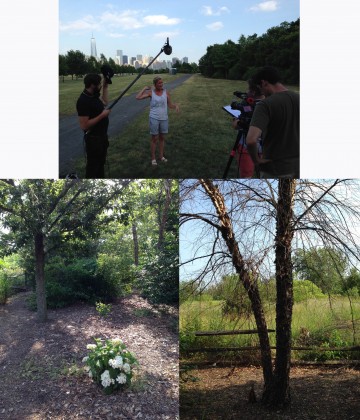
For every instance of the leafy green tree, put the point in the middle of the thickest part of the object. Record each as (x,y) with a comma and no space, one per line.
(325,267)
(46,213)
(278,47)
(63,68)
(76,63)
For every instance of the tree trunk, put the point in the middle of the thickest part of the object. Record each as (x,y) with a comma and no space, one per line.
(136,244)
(279,393)
(245,277)
(164,216)
(40,278)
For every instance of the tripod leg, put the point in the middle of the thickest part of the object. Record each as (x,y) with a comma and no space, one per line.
(232,154)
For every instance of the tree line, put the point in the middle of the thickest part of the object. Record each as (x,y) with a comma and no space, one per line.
(278,47)
(75,63)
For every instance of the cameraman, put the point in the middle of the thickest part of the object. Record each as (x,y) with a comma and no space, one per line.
(277,120)
(93,119)
(245,162)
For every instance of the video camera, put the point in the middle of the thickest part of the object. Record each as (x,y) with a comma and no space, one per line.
(108,73)
(246,107)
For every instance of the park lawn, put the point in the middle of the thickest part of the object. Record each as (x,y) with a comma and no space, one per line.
(200,137)
(69,90)
(199,141)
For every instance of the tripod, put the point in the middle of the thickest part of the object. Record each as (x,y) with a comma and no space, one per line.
(239,135)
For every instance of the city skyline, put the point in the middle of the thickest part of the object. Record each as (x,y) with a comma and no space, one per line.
(190,29)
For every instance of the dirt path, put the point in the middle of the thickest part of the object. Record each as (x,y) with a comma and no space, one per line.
(317,393)
(41,374)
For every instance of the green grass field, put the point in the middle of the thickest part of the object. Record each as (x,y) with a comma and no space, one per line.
(200,137)
(326,326)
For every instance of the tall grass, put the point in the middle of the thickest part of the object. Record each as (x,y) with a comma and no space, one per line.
(327,324)
(200,137)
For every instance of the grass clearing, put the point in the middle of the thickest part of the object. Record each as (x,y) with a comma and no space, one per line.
(326,325)
(200,137)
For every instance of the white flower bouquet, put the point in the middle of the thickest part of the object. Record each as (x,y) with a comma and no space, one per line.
(110,364)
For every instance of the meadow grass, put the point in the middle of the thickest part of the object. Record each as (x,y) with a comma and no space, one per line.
(200,137)
(314,315)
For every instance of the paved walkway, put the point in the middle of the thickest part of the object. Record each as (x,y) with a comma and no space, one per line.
(71,136)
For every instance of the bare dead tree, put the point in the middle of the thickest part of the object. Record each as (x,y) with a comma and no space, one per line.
(249,222)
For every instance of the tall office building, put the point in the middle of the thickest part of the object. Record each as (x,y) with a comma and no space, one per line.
(119,56)
(93,47)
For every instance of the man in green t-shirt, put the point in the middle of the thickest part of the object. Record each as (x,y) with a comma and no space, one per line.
(277,120)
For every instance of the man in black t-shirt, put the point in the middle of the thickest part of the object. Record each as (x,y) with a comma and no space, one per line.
(94,121)
(277,120)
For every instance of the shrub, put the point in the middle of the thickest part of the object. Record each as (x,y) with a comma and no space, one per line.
(4,288)
(79,280)
(110,364)
(305,289)
(103,309)
(159,278)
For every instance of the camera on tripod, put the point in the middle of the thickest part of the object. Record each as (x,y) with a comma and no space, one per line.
(246,107)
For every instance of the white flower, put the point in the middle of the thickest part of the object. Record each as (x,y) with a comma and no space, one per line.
(121,378)
(116,341)
(116,363)
(91,346)
(85,359)
(105,379)
(126,368)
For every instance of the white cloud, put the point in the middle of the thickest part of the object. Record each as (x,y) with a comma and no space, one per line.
(124,21)
(215,26)
(86,23)
(129,19)
(208,11)
(266,6)
(160,20)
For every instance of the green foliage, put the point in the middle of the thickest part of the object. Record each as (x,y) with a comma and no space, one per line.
(331,339)
(305,290)
(103,309)
(79,280)
(279,47)
(110,364)
(4,287)
(117,269)
(325,267)
(159,278)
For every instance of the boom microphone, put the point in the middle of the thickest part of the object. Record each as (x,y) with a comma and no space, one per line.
(167,47)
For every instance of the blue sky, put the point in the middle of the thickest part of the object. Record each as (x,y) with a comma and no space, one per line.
(142,27)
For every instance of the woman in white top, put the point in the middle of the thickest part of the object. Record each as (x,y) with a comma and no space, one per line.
(158,118)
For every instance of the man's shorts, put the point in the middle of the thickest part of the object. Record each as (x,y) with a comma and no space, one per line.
(158,126)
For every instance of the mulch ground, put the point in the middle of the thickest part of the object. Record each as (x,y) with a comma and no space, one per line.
(41,369)
(316,393)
